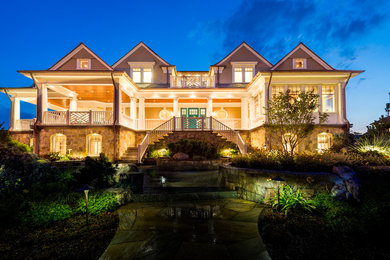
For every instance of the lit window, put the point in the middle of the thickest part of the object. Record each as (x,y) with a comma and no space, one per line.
(294,91)
(58,144)
(142,75)
(94,144)
(324,141)
(289,140)
(237,75)
(248,74)
(137,75)
(328,99)
(299,63)
(84,64)
(243,74)
(147,75)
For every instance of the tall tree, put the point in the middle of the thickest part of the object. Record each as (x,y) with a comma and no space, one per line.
(292,117)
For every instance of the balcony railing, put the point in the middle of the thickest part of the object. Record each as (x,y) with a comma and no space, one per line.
(24,124)
(198,81)
(78,117)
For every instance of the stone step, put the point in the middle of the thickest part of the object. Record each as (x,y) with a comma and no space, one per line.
(129,158)
(184,196)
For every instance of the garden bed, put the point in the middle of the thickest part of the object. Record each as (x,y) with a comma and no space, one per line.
(68,239)
(334,229)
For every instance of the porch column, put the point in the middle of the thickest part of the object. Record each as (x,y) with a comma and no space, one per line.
(141,115)
(133,108)
(343,102)
(251,110)
(73,104)
(117,104)
(15,113)
(244,113)
(320,98)
(176,107)
(209,110)
(41,102)
(339,102)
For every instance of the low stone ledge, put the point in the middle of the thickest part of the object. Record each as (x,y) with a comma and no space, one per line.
(257,185)
(188,165)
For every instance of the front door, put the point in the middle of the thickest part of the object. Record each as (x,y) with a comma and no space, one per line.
(193,114)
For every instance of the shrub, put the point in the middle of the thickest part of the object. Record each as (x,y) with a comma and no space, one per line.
(194,147)
(44,213)
(98,203)
(291,198)
(97,172)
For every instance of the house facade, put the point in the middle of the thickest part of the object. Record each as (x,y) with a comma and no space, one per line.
(85,106)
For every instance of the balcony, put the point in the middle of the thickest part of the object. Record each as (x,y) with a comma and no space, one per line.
(192,80)
(78,118)
(24,125)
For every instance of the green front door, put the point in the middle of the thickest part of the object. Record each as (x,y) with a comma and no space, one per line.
(192,121)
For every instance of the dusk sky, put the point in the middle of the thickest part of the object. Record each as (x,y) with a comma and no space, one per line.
(195,34)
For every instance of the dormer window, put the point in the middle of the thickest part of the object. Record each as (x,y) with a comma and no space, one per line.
(243,72)
(83,64)
(299,63)
(141,72)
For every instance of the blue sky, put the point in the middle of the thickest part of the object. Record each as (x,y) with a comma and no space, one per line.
(195,34)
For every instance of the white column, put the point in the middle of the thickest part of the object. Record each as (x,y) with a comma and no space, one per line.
(15,113)
(244,113)
(176,107)
(44,98)
(73,104)
(343,103)
(141,114)
(41,102)
(133,108)
(209,111)
(339,106)
(251,111)
(320,98)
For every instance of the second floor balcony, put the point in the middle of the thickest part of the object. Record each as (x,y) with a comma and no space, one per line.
(192,80)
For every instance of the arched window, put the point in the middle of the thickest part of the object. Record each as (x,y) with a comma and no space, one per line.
(58,144)
(220,114)
(324,141)
(165,114)
(94,144)
(288,140)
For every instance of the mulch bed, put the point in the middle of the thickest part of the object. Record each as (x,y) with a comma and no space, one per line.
(68,239)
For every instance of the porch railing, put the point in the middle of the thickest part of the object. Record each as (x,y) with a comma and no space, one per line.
(191,124)
(24,124)
(78,117)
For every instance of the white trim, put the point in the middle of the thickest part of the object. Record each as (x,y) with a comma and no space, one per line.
(136,48)
(72,53)
(250,49)
(309,52)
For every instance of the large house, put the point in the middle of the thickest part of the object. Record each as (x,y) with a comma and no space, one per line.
(85,106)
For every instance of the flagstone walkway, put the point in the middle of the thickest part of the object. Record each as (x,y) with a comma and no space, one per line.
(213,229)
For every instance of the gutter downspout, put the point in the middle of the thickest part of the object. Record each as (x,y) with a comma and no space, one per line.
(115,123)
(266,119)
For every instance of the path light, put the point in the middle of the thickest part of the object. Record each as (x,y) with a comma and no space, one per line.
(86,189)
(163,180)
(278,179)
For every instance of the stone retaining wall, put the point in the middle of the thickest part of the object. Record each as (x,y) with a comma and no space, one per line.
(257,185)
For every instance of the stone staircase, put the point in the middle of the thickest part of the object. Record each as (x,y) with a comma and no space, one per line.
(130,155)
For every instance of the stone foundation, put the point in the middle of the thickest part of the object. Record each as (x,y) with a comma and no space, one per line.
(257,185)
(25,137)
(259,137)
(187,165)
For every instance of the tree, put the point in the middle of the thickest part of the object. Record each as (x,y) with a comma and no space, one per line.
(379,127)
(291,118)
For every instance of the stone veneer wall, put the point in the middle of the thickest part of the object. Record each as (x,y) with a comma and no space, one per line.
(205,136)
(259,137)
(23,137)
(76,139)
(129,138)
(257,185)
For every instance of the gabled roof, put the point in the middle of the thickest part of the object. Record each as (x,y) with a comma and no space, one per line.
(140,44)
(68,56)
(244,44)
(309,52)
